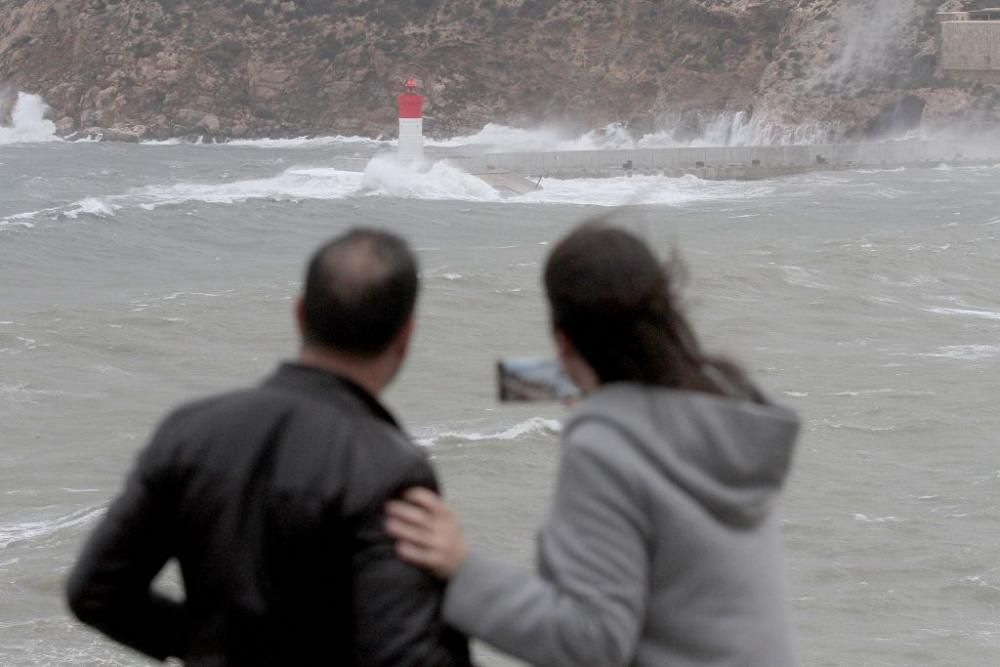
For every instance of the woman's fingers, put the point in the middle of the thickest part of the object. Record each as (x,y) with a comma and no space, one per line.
(428,533)
(425,499)
(436,535)
(404,531)
(420,548)
(416,555)
(407,512)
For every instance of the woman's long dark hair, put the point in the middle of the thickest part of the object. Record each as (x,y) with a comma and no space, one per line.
(615,301)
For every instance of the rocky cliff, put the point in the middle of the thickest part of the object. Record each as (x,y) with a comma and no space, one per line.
(158,68)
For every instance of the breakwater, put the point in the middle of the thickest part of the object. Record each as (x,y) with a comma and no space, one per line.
(710,162)
(739,163)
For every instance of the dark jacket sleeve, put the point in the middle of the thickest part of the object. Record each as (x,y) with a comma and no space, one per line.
(110,589)
(398,606)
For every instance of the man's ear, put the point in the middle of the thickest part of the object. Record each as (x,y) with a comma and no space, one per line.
(405,336)
(299,311)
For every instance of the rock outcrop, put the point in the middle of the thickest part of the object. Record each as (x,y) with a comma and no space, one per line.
(250,68)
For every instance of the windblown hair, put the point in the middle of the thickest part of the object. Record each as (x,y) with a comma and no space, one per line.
(360,290)
(616,302)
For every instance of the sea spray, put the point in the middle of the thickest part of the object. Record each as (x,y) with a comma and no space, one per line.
(8,98)
(387,177)
(726,128)
(28,123)
(735,128)
(298,142)
(869,34)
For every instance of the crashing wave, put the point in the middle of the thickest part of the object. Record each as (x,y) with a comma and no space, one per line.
(27,123)
(536,426)
(739,128)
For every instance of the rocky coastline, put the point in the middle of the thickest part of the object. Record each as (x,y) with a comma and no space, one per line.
(157,69)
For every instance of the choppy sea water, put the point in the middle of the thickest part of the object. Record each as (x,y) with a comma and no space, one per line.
(138,276)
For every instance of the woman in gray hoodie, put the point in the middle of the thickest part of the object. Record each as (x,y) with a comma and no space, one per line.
(662,546)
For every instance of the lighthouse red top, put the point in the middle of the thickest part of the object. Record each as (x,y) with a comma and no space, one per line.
(411,103)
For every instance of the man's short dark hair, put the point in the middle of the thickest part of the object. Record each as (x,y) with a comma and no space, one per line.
(360,291)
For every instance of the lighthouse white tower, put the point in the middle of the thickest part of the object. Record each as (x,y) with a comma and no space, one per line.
(411,123)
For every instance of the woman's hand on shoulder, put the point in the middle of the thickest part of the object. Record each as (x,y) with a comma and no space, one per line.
(428,533)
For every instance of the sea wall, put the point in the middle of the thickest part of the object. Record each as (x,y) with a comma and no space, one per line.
(717,162)
(710,162)
(971,49)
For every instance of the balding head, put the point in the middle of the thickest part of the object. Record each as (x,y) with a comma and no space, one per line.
(360,291)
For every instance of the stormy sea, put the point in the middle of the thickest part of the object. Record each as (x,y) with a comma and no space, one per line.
(136,276)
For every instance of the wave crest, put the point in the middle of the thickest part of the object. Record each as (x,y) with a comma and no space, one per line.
(30,530)
(533,426)
(387,177)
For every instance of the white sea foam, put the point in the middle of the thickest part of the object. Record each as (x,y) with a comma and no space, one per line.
(645,190)
(292,184)
(311,142)
(963,352)
(800,277)
(724,129)
(92,206)
(911,281)
(728,128)
(24,216)
(387,177)
(858,427)
(897,170)
(4,222)
(504,138)
(26,394)
(305,142)
(516,139)
(877,519)
(28,122)
(985,314)
(533,426)
(31,530)
(175,295)
(163,142)
(977,580)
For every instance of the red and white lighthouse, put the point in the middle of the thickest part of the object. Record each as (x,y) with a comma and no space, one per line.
(411,123)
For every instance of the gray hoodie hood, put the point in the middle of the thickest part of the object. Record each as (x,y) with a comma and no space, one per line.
(731,455)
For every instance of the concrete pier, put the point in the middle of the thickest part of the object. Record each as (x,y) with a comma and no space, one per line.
(711,163)
(720,163)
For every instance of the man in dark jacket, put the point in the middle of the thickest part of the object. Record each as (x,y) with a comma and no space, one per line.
(270,499)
